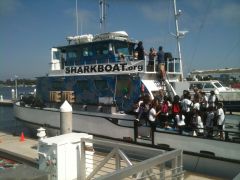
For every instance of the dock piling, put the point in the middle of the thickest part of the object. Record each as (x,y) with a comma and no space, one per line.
(65,118)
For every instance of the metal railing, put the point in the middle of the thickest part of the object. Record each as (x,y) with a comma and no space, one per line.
(144,163)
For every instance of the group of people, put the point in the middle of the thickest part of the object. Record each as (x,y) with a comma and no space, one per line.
(152,55)
(196,113)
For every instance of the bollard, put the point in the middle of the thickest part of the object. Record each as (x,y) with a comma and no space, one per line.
(1,97)
(41,133)
(65,118)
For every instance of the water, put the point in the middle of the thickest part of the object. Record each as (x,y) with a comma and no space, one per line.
(8,123)
(6,92)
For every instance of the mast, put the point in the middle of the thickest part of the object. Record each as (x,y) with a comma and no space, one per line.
(178,35)
(76,18)
(103,14)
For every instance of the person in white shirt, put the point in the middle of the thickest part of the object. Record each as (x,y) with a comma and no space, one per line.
(180,122)
(186,105)
(152,116)
(220,119)
(197,123)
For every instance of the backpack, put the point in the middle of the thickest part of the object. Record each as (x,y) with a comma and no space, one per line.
(176,108)
(164,108)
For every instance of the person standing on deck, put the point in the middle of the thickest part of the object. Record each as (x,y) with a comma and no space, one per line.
(152,54)
(212,100)
(161,62)
(220,119)
(152,117)
(140,51)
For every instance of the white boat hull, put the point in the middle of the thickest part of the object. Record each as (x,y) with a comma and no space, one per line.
(227,154)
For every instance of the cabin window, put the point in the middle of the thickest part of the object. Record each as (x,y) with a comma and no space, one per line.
(83,85)
(102,49)
(218,85)
(72,54)
(208,85)
(199,86)
(122,48)
(56,55)
(87,52)
(71,58)
(101,84)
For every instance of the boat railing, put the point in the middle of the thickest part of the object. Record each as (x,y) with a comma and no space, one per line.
(214,133)
(172,65)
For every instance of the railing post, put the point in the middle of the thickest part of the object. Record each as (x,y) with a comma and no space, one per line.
(174,168)
(154,65)
(174,65)
(162,171)
(179,166)
(117,161)
(145,63)
(83,161)
(168,64)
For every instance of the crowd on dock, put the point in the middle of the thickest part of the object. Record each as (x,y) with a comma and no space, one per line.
(196,113)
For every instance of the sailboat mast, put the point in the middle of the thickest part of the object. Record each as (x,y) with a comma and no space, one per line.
(176,15)
(103,15)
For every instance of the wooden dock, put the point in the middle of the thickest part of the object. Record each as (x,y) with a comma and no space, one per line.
(25,152)
(21,151)
(6,102)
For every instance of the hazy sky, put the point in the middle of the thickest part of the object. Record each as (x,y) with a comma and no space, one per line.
(29,28)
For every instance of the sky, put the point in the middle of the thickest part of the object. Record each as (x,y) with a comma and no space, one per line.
(29,28)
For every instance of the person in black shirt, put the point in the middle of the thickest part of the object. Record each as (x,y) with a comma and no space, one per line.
(140,51)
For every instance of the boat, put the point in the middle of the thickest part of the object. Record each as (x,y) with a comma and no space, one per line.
(102,87)
(230,97)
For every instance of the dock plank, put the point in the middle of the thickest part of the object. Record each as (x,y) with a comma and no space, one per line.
(25,151)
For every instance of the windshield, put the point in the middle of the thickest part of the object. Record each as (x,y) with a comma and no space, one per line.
(218,85)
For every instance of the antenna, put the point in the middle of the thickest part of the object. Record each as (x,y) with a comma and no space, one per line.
(178,35)
(103,14)
(77,16)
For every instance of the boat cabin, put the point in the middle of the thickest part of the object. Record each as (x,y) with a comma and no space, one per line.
(100,49)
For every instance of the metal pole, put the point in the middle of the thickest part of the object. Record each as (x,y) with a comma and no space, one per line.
(77,17)
(16,94)
(177,36)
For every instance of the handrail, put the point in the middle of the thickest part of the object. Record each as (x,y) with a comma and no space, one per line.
(118,165)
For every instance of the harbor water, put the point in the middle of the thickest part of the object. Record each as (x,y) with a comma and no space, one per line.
(8,123)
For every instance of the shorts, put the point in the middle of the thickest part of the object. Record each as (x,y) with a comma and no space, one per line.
(220,127)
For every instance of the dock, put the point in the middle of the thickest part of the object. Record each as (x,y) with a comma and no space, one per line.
(26,152)
(6,102)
